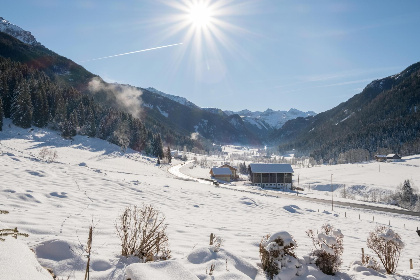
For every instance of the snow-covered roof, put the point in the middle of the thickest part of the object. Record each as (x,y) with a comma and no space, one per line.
(221,171)
(392,155)
(271,168)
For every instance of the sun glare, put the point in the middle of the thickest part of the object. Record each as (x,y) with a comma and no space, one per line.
(200,15)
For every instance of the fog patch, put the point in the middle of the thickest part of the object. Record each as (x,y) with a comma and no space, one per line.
(194,135)
(125,97)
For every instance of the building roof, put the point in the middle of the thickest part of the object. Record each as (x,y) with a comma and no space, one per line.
(271,168)
(221,171)
(392,155)
(228,166)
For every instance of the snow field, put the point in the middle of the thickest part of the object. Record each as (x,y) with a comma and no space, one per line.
(93,182)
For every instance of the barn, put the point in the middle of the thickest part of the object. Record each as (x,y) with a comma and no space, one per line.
(271,175)
(393,157)
(221,173)
(235,176)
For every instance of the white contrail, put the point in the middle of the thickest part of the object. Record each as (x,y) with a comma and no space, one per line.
(145,50)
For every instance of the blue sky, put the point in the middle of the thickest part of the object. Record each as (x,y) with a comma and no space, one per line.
(259,54)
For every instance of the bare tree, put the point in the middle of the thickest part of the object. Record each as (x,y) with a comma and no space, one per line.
(387,244)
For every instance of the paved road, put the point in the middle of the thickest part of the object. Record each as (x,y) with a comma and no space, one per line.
(175,170)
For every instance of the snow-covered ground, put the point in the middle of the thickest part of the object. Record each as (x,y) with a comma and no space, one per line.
(92,181)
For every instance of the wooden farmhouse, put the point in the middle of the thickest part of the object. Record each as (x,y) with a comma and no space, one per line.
(235,176)
(271,175)
(221,173)
(380,157)
(392,157)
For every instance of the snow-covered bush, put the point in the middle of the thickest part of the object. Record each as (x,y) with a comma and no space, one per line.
(388,245)
(215,242)
(277,252)
(142,233)
(48,154)
(328,248)
(370,262)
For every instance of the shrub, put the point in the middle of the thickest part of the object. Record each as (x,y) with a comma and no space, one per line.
(13,232)
(370,262)
(387,244)
(278,251)
(328,248)
(215,242)
(142,233)
(48,154)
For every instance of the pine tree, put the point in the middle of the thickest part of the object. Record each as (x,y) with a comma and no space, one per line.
(168,155)
(21,111)
(1,114)
(40,105)
(157,146)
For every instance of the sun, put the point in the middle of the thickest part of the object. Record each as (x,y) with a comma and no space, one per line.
(200,15)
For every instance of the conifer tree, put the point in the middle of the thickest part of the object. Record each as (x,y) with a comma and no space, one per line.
(157,147)
(22,109)
(40,105)
(168,155)
(1,114)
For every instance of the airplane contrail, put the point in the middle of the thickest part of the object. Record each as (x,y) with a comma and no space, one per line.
(145,50)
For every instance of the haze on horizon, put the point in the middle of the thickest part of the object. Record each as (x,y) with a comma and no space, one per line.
(234,54)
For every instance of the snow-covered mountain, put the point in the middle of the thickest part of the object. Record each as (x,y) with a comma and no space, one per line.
(180,100)
(270,119)
(17,32)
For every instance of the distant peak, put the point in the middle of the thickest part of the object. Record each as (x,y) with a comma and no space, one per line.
(17,32)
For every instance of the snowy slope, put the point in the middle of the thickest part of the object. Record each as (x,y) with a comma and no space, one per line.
(92,180)
(180,100)
(17,32)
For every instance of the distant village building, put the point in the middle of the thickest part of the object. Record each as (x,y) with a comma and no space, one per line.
(221,173)
(380,157)
(271,175)
(235,176)
(392,157)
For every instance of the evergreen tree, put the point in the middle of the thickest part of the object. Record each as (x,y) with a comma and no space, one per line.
(1,114)
(157,147)
(21,111)
(40,105)
(90,123)
(168,155)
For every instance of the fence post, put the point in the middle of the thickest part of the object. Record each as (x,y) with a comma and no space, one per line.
(363,255)
(411,263)
(345,214)
(373,218)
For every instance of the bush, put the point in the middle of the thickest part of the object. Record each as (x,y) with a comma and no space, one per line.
(142,233)
(48,155)
(328,248)
(387,245)
(278,251)
(370,262)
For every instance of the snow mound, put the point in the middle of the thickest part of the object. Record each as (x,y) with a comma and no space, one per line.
(17,262)
(166,270)
(57,250)
(226,265)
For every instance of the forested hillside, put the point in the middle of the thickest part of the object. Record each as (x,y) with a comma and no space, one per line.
(384,117)
(29,97)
